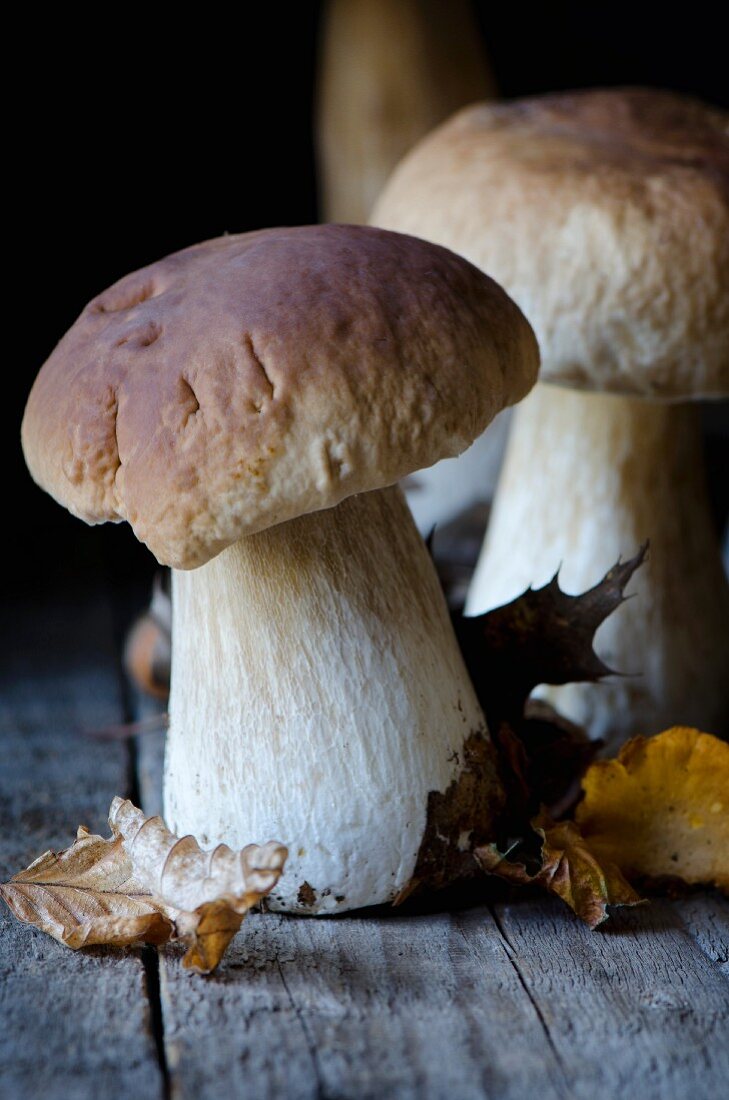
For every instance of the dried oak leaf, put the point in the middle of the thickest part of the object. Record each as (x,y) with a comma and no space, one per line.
(207,892)
(661,809)
(144,885)
(87,895)
(566,866)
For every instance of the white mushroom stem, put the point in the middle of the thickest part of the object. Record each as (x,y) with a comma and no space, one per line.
(318,697)
(588,478)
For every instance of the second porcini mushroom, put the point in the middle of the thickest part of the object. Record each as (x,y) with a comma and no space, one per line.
(235,402)
(606,215)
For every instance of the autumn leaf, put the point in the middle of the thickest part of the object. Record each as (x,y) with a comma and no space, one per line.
(87,895)
(208,892)
(148,645)
(565,866)
(557,753)
(144,885)
(661,809)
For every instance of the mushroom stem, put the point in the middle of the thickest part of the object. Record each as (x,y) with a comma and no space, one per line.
(340,703)
(587,478)
(389,72)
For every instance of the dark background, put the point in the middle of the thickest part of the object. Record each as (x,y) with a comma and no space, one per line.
(133,138)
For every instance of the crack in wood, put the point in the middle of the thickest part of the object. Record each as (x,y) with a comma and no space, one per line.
(512,956)
(121,619)
(305,1030)
(151,963)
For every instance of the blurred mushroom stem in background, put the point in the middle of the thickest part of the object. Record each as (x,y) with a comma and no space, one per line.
(390,70)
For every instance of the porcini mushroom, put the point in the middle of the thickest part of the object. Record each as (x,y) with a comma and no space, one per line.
(606,215)
(235,402)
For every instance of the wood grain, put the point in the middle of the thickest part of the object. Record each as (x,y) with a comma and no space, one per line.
(515,1003)
(74,1026)
(637,1006)
(511,1000)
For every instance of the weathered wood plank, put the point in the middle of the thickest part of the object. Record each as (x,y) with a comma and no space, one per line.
(149,748)
(706,917)
(74,1026)
(457,1005)
(639,1007)
(406,1007)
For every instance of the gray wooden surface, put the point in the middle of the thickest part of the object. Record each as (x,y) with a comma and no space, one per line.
(510,999)
(72,1025)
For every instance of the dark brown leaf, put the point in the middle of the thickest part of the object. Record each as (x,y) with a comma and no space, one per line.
(542,637)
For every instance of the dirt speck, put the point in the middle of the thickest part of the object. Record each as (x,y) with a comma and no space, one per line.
(306,895)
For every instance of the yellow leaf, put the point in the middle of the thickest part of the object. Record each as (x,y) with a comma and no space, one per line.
(662,808)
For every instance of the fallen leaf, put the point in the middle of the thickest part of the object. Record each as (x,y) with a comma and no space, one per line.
(87,895)
(661,809)
(208,892)
(148,645)
(144,885)
(566,866)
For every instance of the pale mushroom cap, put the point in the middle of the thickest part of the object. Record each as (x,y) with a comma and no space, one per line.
(255,378)
(605,214)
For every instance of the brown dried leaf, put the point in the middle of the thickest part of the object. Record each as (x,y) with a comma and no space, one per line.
(87,895)
(144,885)
(208,892)
(661,809)
(566,867)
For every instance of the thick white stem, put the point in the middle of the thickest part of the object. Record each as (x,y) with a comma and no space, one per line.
(318,698)
(587,478)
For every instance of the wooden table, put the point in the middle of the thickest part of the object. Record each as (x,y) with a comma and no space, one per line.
(507,999)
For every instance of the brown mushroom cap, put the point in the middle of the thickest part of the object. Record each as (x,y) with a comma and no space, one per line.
(605,214)
(254,378)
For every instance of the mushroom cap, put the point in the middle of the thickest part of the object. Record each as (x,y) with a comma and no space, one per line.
(254,378)
(605,214)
